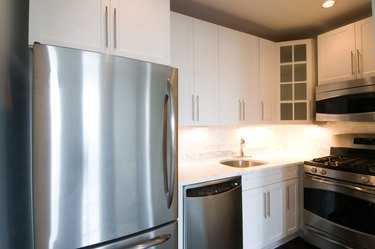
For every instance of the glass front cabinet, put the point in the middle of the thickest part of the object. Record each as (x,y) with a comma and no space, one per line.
(297,80)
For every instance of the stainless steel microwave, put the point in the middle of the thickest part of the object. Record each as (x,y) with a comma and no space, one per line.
(352,100)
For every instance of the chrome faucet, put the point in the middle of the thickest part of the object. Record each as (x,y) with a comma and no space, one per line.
(242,147)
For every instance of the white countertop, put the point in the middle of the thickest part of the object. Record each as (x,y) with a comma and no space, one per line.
(190,173)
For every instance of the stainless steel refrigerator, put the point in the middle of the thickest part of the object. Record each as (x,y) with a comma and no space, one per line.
(104,139)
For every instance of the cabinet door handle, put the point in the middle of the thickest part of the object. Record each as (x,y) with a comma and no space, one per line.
(359,62)
(262,110)
(240,110)
(269,203)
(287,198)
(265,204)
(192,108)
(352,61)
(243,110)
(106,26)
(197,107)
(114,28)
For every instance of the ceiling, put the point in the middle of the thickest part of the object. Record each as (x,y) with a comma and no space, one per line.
(276,20)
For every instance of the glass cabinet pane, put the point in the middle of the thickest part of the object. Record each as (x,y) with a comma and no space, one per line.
(286,92)
(300,111)
(286,111)
(286,54)
(300,52)
(300,91)
(286,74)
(300,72)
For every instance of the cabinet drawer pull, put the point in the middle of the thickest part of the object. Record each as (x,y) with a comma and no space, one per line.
(269,203)
(265,204)
(287,198)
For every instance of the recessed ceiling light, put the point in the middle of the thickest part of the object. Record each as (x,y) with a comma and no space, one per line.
(328,4)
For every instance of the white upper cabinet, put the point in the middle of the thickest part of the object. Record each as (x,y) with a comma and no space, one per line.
(347,52)
(365,48)
(267,80)
(205,93)
(296,79)
(143,30)
(238,77)
(69,23)
(132,28)
(194,46)
(182,30)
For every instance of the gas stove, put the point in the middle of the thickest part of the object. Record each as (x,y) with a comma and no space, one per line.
(352,159)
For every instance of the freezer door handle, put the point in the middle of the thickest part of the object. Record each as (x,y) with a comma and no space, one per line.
(169,144)
(138,245)
(152,242)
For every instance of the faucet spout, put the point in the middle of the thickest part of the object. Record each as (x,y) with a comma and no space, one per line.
(242,147)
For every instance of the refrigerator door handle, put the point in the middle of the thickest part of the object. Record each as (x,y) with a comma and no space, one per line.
(169,144)
(139,245)
(152,242)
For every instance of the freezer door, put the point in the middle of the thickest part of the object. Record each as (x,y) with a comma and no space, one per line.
(104,147)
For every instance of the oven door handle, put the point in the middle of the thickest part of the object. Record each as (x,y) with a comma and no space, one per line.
(367,190)
(322,236)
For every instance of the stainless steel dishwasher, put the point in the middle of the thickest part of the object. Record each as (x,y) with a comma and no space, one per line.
(213,215)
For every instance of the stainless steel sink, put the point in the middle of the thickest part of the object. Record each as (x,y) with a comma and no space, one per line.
(242,163)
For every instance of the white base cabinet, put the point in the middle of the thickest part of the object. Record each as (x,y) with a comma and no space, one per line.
(138,29)
(269,206)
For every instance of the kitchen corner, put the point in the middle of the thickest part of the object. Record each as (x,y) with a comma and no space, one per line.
(283,147)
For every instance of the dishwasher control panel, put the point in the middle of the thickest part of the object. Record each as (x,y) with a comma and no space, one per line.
(213,189)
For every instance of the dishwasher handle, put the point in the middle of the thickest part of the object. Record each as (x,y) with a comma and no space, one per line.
(213,188)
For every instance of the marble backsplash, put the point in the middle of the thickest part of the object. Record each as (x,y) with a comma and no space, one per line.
(203,143)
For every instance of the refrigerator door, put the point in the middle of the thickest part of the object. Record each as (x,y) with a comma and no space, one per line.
(104,146)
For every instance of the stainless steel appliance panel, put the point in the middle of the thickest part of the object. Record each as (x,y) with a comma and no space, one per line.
(104,146)
(213,215)
(351,100)
(338,213)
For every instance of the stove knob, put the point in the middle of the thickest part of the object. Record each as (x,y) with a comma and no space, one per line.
(323,171)
(314,170)
(364,179)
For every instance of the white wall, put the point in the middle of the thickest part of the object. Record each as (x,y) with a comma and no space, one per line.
(209,142)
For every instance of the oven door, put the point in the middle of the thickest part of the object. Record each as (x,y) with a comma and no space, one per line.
(338,214)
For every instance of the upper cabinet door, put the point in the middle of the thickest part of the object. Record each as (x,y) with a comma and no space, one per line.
(69,23)
(365,47)
(249,77)
(238,77)
(347,53)
(142,30)
(205,97)
(336,54)
(182,29)
(136,29)
(231,101)
(267,80)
